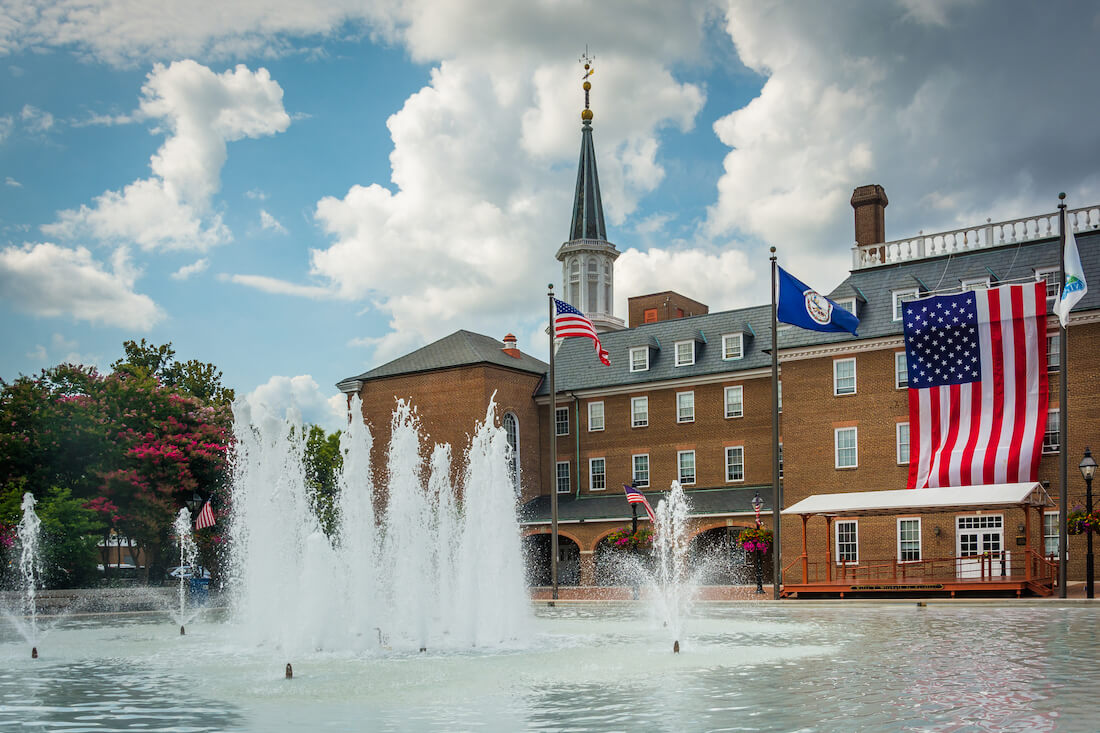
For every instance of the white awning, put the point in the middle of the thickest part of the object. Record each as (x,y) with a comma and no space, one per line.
(924,501)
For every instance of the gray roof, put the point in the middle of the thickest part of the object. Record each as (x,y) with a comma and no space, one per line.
(576,366)
(615,506)
(461,348)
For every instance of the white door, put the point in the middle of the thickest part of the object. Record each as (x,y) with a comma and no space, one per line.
(974,537)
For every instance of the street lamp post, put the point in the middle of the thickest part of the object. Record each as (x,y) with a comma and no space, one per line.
(757,504)
(1088,469)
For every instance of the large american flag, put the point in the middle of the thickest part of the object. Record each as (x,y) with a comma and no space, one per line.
(977,386)
(636,497)
(569,321)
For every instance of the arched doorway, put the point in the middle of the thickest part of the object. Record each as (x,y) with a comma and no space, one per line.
(536,551)
(719,560)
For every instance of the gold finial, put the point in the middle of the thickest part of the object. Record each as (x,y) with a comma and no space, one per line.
(587,60)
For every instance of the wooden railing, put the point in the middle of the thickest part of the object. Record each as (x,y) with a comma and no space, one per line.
(1018,565)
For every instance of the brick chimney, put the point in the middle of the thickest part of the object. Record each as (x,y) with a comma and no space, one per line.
(510,346)
(870,204)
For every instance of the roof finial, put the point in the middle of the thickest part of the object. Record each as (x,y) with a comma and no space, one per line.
(587,60)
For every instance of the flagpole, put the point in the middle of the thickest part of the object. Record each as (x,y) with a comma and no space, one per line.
(553,458)
(1063,427)
(777,491)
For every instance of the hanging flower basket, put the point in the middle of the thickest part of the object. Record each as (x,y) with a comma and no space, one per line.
(624,539)
(1080,522)
(755,539)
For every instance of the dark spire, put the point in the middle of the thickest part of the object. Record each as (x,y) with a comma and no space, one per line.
(587,207)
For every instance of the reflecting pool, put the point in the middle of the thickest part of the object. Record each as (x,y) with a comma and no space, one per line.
(810,666)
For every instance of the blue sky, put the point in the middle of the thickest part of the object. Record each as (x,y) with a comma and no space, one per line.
(298,192)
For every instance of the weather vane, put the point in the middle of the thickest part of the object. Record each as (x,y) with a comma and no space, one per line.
(587,60)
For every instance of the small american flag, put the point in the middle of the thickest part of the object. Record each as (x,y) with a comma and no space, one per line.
(571,322)
(977,386)
(206,517)
(636,497)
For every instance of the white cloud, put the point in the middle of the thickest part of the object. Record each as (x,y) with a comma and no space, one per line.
(194,268)
(256,194)
(717,279)
(201,111)
(38,354)
(47,280)
(280,287)
(302,394)
(9,181)
(267,221)
(923,98)
(36,120)
(7,124)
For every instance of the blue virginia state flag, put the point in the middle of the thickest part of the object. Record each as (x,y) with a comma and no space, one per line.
(804,307)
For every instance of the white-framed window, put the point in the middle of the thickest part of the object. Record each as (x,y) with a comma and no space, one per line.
(597,474)
(901,435)
(685,407)
(1054,352)
(1053,434)
(639,359)
(640,472)
(975,283)
(900,296)
(685,460)
(847,541)
(901,370)
(735,463)
(563,477)
(781,460)
(733,346)
(735,401)
(595,416)
(639,412)
(561,421)
(685,353)
(848,304)
(510,423)
(1049,275)
(844,376)
(779,391)
(909,539)
(1050,534)
(845,442)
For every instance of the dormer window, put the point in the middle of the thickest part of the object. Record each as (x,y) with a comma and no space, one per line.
(848,304)
(975,283)
(639,359)
(1049,275)
(733,346)
(685,353)
(900,296)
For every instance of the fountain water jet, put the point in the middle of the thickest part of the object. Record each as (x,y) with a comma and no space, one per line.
(429,570)
(29,533)
(672,579)
(188,552)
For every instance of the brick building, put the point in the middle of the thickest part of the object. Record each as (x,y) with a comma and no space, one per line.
(688,397)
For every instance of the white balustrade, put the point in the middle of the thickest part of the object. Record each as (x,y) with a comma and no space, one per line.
(992,234)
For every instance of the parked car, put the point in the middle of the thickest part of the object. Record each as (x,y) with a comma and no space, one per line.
(187,571)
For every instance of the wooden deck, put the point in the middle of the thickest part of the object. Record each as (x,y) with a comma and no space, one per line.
(1025,573)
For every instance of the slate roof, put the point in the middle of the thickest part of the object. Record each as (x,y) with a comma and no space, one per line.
(614,506)
(461,348)
(576,367)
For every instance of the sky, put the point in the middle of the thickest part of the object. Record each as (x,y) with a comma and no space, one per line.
(299,192)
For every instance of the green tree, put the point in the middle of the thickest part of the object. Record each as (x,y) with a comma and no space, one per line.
(198,379)
(70,535)
(323,462)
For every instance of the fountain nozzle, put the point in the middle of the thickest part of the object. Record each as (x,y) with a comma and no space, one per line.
(34,652)
(181,630)
(676,647)
(289,671)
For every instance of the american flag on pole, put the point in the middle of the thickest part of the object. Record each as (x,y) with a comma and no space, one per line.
(977,386)
(206,517)
(636,497)
(568,321)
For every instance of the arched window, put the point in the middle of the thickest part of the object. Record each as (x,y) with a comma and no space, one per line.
(511,430)
(608,306)
(592,306)
(575,283)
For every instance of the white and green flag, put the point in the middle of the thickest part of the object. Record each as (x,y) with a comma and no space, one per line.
(1074,288)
